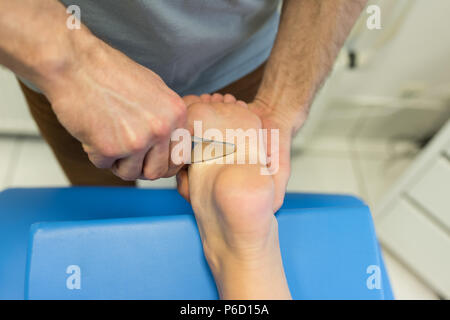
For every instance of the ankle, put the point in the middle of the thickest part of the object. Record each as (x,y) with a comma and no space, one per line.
(250,275)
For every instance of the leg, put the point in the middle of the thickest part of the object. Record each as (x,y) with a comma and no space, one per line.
(68,151)
(233,208)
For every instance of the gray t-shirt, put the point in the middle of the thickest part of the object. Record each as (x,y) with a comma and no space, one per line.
(195,46)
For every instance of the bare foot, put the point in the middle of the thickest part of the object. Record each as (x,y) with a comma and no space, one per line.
(233,208)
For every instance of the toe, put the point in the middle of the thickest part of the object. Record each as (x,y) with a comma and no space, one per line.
(206,98)
(242,104)
(190,99)
(217,97)
(228,98)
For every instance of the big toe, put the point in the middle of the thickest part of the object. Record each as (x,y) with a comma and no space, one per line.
(191,99)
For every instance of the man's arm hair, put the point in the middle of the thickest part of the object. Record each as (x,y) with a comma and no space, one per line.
(310,35)
(35,42)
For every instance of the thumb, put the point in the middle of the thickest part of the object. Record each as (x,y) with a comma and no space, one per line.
(281,179)
(280,165)
(183,184)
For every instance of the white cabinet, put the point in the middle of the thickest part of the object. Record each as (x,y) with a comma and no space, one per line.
(432,191)
(418,242)
(413,220)
(448,151)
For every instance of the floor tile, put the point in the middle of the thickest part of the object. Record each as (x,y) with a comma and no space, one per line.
(14,115)
(380,174)
(322,145)
(164,183)
(405,285)
(7,148)
(315,172)
(36,166)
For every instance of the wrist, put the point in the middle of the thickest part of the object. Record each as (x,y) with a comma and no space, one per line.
(287,116)
(55,62)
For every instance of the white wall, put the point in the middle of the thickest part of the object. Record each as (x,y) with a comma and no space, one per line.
(401,88)
(14,115)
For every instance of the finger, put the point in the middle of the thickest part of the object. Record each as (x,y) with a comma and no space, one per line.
(281,176)
(156,161)
(191,99)
(174,167)
(242,103)
(278,149)
(183,184)
(178,161)
(217,97)
(98,160)
(281,180)
(129,168)
(173,171)
(228,98)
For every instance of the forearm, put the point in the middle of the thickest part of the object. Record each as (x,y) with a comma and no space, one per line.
(35,42)
(310,35)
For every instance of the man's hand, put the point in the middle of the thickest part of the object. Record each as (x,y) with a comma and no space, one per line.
(310,35)
(121,112)
(271,118)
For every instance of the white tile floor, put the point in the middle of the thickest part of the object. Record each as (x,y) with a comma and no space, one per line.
(314,171)
(30,162)
(35,165)
(7,154)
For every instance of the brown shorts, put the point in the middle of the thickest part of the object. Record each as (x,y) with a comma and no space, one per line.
(68,151)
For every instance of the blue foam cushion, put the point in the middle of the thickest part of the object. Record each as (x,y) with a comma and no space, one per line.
(144,244)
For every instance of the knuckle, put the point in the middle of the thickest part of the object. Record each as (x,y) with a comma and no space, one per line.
(161,129)
(179,109)
(137,145)
(108,151)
